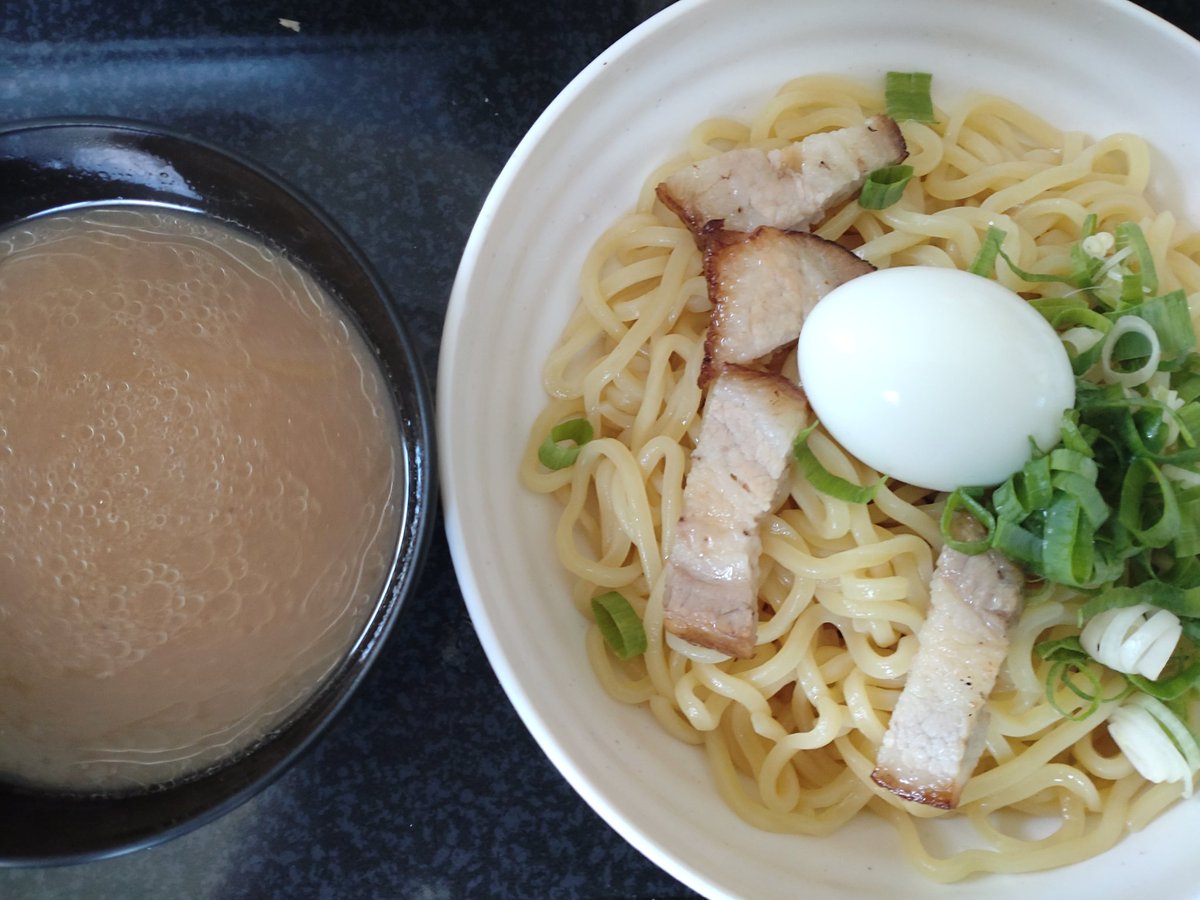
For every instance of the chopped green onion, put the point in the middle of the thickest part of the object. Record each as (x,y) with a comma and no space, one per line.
(1032,484)
(1083,491)
(1149,509)
(1020,545)
(1188,385)
(1068,550)
(1039,278)
(1074,460)
(1169,318)
(619,624)
(1155,741)
(1069,658)
(985,260)
(824,480)
(1184,602)
(1067,648)
(1114,510)
(1187,542)
(1082,316)
(1187,417)
(1137,284)
(1053,307)
(1172,687)
(884,187)
(908,96)
(552,453)
(1074,438)
(1140,345)
(964,500)
(1061,673)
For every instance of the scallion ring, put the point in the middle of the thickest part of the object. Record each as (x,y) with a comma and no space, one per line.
(553,454)
(619,624)
(884,187)
(1130,325)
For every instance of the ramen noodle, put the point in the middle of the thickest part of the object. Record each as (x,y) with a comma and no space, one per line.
(791,734)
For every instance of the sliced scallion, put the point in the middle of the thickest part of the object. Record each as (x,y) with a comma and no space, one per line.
(1172,687)
(1184,602)
(1068,659)
(824,480)
(1149,508)
(985,260)
(965,501)
(908,96)
(1052,307)
(554,454)
(1141,345)
(884,187)
(1155,741)
(619,624)
(1063,673)
(1142,282)
(1066,648)
(1169,318)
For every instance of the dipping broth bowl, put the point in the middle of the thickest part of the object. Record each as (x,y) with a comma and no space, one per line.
(57,166)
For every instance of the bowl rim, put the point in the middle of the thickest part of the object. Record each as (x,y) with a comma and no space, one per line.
(416,435)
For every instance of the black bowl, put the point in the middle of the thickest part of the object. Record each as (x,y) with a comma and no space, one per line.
(54,165)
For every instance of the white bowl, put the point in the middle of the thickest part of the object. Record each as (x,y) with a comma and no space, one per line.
(1099,66)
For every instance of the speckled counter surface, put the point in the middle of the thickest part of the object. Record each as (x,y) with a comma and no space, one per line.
(396,118)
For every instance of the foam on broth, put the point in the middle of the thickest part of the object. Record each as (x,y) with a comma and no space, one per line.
(199,491)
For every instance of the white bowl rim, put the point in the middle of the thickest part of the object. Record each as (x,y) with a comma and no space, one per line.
(465,561)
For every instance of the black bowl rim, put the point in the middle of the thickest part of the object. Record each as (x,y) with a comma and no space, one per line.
(422,487)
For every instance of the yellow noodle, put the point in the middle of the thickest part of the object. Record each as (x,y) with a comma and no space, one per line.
(790,735)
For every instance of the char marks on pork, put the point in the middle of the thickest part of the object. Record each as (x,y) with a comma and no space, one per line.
(762,286)
(790,187)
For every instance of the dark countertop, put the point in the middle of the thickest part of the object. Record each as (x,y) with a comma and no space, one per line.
(395,117)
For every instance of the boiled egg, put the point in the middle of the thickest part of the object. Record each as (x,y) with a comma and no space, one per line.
(934,376)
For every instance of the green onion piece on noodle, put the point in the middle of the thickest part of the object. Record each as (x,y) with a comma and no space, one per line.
(908,96)
(1172,687)
(966,500)
(1142,282)
(985,260)
(1169,319)
(884,187)
(1184,602)
(824,480)
(1064,672)
(1069,660)
(619,624)
(552,453)
(1054,650)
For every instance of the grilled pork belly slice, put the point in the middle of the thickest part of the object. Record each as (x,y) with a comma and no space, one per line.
(790,187)
(750,422)
(937,731)
(763,285)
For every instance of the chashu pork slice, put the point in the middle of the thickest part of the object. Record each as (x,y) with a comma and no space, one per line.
(750,422)
(763,285)
(790,187)
(938,728)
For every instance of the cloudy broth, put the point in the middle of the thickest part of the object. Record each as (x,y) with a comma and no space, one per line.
(199,495)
